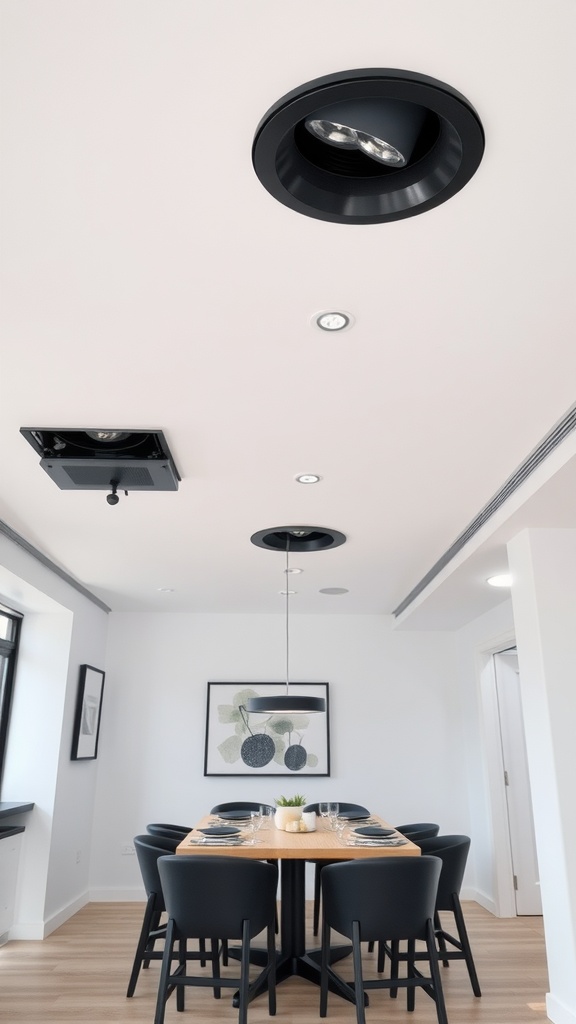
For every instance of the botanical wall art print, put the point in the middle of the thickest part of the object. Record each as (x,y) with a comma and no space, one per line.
(88,711)
(240,743)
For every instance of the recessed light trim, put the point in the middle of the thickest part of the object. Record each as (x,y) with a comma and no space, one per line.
(332,321)
(298,538)
(335,591)
(308,478)
(347,186)
(504,579)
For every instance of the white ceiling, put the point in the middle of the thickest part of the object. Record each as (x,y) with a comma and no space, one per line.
(150,281)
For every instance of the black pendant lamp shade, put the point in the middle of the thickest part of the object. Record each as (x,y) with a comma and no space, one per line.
(368,146)
(292,538)
(293,704)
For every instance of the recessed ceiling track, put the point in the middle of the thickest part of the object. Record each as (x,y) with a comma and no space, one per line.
(555,437)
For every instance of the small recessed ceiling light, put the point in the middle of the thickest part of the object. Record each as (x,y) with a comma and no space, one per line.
(504,580)
(332,320)
(165,590)
(308,478)
(293,570)
(287,593)
(334,590)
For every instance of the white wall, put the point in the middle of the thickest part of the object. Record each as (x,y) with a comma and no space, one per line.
(395,722)
(62,629)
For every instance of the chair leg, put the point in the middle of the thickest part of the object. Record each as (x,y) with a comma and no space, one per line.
(324,961)
(466,948)
(394,964)
(358,980)
(182,948)
(410,973)
(149,915)
(244,974)
(215,959)
(438,992)
(164,975)
(317,870)
(271,936)
(440,937)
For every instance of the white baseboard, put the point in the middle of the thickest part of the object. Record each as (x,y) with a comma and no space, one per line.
(558,1012)
(34,930)
(479,897)
(136,895)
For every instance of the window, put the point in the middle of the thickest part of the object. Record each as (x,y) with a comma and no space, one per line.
(9,635)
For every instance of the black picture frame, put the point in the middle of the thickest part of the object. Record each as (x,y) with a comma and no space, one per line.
(86,730)
(228,726)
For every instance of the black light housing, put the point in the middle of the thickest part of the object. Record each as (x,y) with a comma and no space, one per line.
(339,183)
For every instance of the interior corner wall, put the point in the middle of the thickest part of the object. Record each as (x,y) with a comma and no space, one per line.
(393,698)
(61,630)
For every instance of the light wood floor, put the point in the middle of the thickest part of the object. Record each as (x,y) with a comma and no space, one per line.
(78,975)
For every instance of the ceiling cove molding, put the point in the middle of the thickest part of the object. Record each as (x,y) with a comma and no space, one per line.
(549,443)
(10,534)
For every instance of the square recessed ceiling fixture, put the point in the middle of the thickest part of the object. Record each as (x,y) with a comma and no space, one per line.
(102,459)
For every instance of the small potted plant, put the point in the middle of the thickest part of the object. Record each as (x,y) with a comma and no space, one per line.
(288,809)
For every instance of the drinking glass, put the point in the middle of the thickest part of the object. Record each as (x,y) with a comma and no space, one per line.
(266,816)
(323,810)
(255,820)
(333,809)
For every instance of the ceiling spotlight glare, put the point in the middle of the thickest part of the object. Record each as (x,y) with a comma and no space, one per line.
(299,533)
(503,580)
(333,134)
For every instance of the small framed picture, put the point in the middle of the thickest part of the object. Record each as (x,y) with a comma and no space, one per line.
(88,711)
(242,743)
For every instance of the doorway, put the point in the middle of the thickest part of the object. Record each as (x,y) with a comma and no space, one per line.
(516,782)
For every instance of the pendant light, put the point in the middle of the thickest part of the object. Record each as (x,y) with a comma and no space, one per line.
(289,703)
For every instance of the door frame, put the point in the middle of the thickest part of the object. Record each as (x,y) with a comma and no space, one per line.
(504,895)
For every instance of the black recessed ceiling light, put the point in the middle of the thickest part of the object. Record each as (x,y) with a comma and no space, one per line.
(368,146)
(298,538)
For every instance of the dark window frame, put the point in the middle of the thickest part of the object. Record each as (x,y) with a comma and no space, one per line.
(9,655)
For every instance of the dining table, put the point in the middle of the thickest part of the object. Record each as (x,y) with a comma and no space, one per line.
(292,850)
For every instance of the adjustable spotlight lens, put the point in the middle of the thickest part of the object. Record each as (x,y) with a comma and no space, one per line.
(379,150)
(333,133)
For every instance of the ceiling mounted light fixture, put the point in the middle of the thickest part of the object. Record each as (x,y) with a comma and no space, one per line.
(368,146)
(502,580)
(291,538)
(105,460)
(331,321)
(308,478)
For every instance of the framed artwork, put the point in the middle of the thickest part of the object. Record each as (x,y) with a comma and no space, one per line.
(88,711)
(241,743)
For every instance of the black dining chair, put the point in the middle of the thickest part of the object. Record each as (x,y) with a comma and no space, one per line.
(239,805)
(211,898)
(378,898)
(148,850)
(417,830)
(159,828)
(320,864)
(453,852)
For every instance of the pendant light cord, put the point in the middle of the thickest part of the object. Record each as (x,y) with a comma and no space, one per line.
(287,619)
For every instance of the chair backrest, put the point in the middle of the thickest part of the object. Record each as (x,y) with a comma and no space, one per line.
(239,805)
(148,850)
(391,897)
(417,830)
(211,897)
(453,852)
(347,808)
(178,832)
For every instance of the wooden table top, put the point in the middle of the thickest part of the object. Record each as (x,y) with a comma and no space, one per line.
(274,844)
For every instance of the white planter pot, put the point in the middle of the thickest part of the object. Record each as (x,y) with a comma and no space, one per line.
(285,814)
